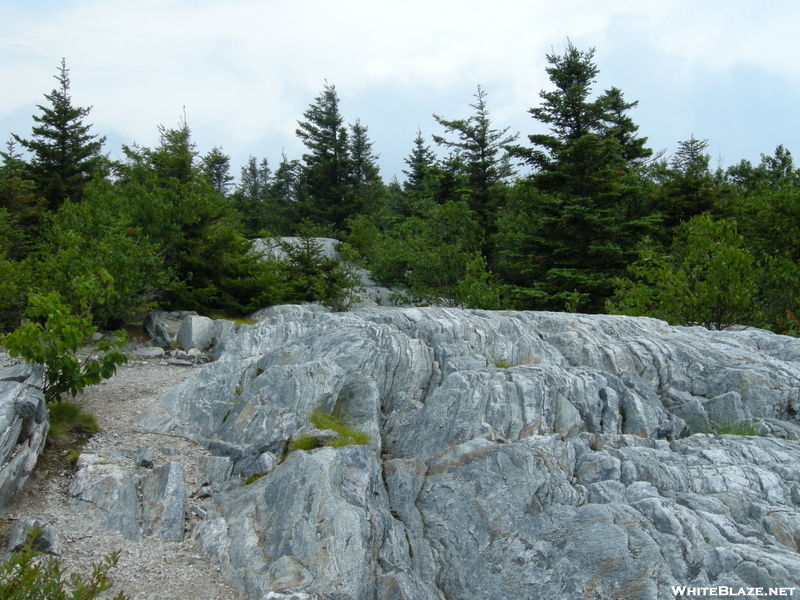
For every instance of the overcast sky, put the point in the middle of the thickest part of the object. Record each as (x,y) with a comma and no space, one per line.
(246,70)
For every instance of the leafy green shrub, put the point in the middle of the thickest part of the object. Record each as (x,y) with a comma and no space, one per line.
(29,576)
(708,278)
(54,334)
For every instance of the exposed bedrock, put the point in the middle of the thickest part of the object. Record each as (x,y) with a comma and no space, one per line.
(511,455)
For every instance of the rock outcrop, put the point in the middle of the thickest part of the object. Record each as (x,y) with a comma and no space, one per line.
(511,455)
(24,424)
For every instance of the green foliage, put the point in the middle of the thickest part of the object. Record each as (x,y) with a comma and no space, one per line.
(434,256)
(96,235)
(338,178)
(736,428)
(310,276)
(27,575)
(483,153)
(707,278)
(254,477)
(169,198)
(54,334)
(575,229)
(687,186)
(347,435)
(503,364)
(305,442)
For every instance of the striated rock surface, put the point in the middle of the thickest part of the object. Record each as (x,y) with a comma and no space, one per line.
(511,455)
(24,424)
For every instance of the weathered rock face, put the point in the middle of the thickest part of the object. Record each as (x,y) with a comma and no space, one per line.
(512,455)
(24,425)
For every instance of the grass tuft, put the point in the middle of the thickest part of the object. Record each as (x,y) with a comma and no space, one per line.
(503,364)
(348,436)
(70,424)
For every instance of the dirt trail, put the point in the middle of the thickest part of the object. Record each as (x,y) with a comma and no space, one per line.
(150,569)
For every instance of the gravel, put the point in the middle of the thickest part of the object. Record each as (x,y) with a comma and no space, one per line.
(150,569)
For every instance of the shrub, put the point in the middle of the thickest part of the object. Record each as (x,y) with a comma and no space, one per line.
(27,575)
(54,334)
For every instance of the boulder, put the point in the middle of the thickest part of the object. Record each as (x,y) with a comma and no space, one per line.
(108,492)
(46,540)
(196,332)
(510,455)
(164,502)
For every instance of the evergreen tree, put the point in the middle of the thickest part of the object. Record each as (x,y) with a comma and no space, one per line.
(326,171)
(65,156)
(420,163)
(217,167)
(364,172)
(688,187)
(581,229)
(285,189)
(166,193)
(482,152)
(252,197)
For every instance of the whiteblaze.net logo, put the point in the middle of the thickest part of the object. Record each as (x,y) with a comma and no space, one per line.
(722,590)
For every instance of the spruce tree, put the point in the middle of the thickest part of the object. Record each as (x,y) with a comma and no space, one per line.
(482,152)
(582,233)
(65,155)
(326,172)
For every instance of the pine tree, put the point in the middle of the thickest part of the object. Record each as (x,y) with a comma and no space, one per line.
(482,152)
(420,163)
(251,197)
(582,231)
(688,187)
(65,156)
(217,167)
(326,172)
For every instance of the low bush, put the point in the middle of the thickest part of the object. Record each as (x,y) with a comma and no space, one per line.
(53,335)
(27,575)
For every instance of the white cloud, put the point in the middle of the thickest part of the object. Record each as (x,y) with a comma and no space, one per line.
(248,68)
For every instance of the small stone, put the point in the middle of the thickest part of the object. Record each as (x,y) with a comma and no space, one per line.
(144,457)
(46,541)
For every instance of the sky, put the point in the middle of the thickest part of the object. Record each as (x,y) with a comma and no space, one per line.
(245,71)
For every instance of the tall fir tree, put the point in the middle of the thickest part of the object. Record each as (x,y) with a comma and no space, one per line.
(365,176)
(65,155)
(420,163)
(217,168)
(581,236)
(484,158)
(325,176)
(251,197)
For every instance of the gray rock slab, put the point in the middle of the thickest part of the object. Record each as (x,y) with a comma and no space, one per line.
(164,502)
(511,455)
(108,492)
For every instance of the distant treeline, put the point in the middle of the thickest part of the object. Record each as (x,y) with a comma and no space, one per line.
(584,218)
